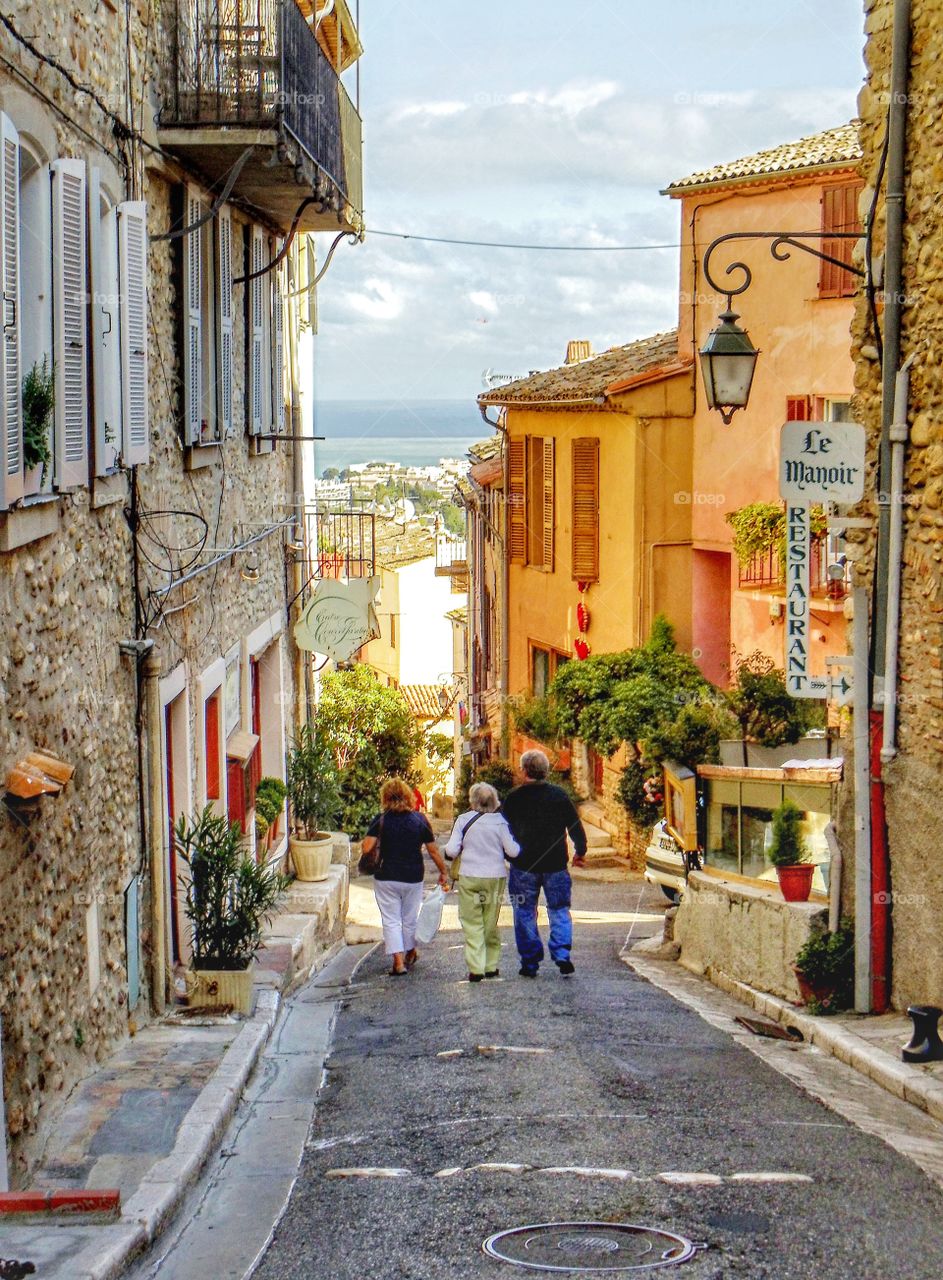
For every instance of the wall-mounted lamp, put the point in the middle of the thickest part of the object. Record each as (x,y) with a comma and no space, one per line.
(728,363)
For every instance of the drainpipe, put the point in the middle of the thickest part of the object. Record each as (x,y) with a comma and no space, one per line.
(504,671)
(898,438)
(155,836)
(4,1166)
(860,727)
(302,667)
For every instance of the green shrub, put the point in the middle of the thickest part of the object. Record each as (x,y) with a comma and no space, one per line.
(788,847)
(537,718)
(269,799)
(827,960)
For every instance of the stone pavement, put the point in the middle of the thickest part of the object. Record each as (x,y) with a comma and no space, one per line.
(147,1121)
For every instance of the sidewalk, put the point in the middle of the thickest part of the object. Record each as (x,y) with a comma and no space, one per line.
(871,1044)
(147,1121)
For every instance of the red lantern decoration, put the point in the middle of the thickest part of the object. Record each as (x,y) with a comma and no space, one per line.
(581,648)
(582,586)
(582,617)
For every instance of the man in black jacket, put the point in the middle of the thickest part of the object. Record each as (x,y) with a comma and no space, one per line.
(541,815)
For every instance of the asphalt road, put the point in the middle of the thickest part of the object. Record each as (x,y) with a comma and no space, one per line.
(630,1081)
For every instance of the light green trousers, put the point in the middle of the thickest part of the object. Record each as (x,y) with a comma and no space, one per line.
(479,901)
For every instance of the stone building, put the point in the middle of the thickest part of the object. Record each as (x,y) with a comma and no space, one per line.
(154,159)
(913,764)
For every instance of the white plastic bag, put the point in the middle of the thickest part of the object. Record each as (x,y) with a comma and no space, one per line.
(430,916)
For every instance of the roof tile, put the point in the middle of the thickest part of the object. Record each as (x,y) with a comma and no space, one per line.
(831,148)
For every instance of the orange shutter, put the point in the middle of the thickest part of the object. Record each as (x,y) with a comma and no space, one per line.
(586,509)
(547,503)
(211,747)
(839,214)
(517,540)
(798,409)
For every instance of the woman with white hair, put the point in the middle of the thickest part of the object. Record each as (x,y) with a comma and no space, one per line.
(483,839)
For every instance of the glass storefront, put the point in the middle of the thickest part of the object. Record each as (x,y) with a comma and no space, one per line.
(740,824)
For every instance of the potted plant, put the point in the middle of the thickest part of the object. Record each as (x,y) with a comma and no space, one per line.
(825,969)
(269,802)
(789,853)
(229,898)
(38,407)
(313,800)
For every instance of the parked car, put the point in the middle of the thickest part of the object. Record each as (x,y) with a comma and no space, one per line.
(664,862)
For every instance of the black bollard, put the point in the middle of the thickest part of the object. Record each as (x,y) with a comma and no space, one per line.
(925,1044)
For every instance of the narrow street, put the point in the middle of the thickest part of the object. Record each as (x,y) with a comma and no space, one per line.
(601,1072)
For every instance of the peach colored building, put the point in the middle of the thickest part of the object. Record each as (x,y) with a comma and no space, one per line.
(798,314)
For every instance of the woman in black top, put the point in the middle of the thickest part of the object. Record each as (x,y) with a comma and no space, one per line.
(402,834)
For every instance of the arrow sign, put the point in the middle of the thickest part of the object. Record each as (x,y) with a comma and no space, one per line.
(841,690)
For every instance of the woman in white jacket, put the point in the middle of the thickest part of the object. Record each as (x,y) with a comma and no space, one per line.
(484,840)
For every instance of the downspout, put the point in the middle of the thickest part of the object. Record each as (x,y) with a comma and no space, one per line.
(893,307)
(504,670)
(155,841)
(898,438)
(302,666)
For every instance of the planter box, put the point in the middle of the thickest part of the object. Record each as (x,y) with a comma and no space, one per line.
(209,987)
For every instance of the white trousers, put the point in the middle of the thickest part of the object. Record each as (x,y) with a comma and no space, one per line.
(399,905)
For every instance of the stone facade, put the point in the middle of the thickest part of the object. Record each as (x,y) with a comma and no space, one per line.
(85,566)
(914,788)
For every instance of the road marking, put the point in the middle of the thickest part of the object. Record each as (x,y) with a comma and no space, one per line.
(368,1172)
(672,1177)
(585,1171)
(770,1177)
(679,1178)
(497,1167)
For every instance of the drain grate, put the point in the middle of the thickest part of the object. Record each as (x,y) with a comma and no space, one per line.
(590,1247)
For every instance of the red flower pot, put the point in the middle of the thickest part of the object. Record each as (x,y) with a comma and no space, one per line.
(796,881)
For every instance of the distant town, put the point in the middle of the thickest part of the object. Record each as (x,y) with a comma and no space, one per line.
(417,491)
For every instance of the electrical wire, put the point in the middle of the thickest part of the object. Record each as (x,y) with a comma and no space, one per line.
(215,207)
(869,242)
(543,248)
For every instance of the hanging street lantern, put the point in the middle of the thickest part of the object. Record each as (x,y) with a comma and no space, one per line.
(728,362)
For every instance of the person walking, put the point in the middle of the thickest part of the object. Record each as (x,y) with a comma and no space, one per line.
(402,834)
(540,816)
(483,839)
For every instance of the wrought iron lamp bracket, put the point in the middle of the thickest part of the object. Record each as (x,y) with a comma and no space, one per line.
(781,243)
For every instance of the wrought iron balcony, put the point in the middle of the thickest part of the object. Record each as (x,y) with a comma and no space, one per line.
(766,572)
(252,73)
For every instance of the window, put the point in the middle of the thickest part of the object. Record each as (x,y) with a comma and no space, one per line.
(207,322)
(828,410)
(839,215)
(586,509)
(798,409)
(517,520)
(70,354)
(258,346)
(544,665)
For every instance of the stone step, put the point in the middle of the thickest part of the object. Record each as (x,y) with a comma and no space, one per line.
(593,815)
(596,837)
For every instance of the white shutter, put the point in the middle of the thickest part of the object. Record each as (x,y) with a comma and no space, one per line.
(11,402)
(224,333)
(106,372)
(193,318)
(278,350)
(258,419)
(132,278)
(70,332)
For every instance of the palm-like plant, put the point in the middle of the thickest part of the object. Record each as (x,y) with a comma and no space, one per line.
(229,896)
(313,791)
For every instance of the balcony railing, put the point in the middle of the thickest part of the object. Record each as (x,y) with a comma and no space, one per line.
(765,572)
(257,64)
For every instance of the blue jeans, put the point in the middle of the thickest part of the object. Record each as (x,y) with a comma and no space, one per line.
(524,888)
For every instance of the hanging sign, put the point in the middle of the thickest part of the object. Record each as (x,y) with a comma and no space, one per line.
(821,462)
(339,618)
(798,615)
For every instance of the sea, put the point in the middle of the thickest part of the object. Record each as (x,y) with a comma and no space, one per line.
(415,433)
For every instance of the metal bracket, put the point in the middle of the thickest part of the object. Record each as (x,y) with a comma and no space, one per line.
(780,245)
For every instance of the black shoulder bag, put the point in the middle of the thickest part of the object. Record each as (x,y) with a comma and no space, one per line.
(370,863)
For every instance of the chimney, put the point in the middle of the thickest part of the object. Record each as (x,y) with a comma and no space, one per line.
(579,349)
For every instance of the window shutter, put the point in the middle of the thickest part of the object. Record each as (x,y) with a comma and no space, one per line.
(193,319)
(106,370)
(547,503)
(11,403)
(132,276)
(278,351)
(517,524)
(586,510)
(224,336)
(257,422)
(839,214)
(70,331)
(211,747)
(798,409)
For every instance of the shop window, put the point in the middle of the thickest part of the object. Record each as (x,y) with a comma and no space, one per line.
(544,665)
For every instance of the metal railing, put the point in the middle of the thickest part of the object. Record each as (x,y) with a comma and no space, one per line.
(451,552)
(257,63)
(766,570)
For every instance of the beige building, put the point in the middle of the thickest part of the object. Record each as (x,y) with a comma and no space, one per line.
(148,524)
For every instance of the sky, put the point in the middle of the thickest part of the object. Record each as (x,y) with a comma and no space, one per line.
(549,122)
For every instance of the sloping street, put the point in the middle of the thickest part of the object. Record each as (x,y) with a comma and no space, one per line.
(451,1112)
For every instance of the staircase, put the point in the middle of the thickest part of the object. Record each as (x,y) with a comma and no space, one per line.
(600,852)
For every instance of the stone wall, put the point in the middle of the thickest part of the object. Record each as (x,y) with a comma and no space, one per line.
(65,866)
(915,779)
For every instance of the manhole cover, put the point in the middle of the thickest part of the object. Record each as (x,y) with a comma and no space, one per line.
(590,1247)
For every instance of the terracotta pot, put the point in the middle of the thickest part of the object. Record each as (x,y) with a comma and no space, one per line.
(795,882)
(312,858)
(820,991)
(207,988)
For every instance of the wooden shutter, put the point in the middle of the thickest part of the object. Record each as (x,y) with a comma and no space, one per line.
(256,347)
(211,747)
(11,403)
(517,524)
(586,509)
(278,351)
(105,362)
(193,319)
(547,503)
(798,409)
(132,277)
(70,324)
(839,214)
(224,332)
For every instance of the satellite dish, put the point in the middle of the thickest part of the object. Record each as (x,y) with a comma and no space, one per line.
(404,511)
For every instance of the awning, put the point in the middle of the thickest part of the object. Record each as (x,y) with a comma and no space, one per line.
(331,21)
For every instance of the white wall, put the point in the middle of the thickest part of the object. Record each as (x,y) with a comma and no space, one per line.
(425,632)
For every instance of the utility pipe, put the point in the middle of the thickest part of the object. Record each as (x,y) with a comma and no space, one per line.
(862,779)
(504,669)
(154,836)
(302,665)
(4,1166)
(834,877)
(898,438)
